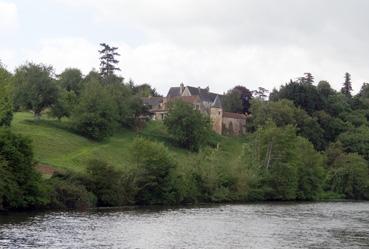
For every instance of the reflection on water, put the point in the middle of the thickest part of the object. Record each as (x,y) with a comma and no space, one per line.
(316,225)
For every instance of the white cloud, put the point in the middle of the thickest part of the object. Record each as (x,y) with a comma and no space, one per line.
(216,43)
(227,42)
(166,64)
(64,53)
(8,17)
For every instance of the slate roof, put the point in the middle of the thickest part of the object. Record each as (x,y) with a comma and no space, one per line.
(152,101)
(187,99)
(204,94)
(217,103)
(174,92)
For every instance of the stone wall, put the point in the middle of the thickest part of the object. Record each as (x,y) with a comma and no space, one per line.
(233,126)
(216,118)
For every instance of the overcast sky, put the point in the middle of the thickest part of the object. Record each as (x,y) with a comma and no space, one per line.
(212,43)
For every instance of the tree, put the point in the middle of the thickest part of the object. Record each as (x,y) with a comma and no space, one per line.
(237,100)
(348,173)
(144,90)
(232,102)
(34,88)
(21,184)
(106,182)
(6,101)
(261,93)
(283,113)
(331,126)
(95,116)
(289,166)
(108,61)
(64,105)
(347,85)
(356,141)
(361,100)
(71,79)
(153,165)
(246,96)
(302,94)
(189,128)
(129,107)
(308,78)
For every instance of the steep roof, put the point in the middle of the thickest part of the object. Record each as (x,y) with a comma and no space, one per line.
(187,99)
(203,93)
(152,101)
(234,115)
(173,92)
(217,103)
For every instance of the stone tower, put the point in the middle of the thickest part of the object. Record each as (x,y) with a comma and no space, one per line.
(216,115)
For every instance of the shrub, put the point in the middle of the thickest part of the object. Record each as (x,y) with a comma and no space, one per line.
(22,185)
(95,116)
(356,141)
(65,194)
(189,128)
(349,175)
(289,167)
(6,105)
(111,186)
(153,165)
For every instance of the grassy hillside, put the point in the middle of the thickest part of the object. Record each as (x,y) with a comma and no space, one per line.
(56,145)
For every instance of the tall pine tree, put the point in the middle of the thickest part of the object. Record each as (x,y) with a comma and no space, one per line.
(108,61)
(308,78)
(347,86)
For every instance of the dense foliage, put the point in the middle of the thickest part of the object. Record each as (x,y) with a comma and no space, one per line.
(189,128)
(20,185)
(34,88)
(6,105)
(95,115)
(307,142)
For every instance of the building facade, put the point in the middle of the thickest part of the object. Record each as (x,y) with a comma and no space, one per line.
(203,100)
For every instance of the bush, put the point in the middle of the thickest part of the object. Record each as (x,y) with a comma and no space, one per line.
(189,128)
(282,113)
(6,101)
(111,186)
(95,116)
(349,176)
(356,141)
(153,165)
(22,185)
(65,194)
(63,106)
(289,167)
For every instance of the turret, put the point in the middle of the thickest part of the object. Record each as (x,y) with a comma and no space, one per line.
(181,89)
(216,115)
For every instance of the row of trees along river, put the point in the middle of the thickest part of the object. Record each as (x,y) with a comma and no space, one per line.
(306,142)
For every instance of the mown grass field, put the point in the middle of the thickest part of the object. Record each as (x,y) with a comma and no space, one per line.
(56,145)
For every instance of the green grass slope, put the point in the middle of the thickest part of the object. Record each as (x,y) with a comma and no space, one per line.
(56,145)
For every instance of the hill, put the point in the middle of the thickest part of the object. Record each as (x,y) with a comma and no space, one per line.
(56,145)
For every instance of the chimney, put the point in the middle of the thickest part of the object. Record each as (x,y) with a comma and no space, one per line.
(207,89)
(199,89)
(181,88)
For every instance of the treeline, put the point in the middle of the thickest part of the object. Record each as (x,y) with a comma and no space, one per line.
(307,142)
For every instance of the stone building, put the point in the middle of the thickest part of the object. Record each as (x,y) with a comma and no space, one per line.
(204,101)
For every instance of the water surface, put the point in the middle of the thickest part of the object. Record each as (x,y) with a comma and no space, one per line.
(270,225)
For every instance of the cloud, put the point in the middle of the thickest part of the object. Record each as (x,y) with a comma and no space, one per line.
(64,53)
(8,17)
(235,41)
(216,43)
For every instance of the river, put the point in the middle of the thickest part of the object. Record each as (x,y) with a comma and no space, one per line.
(267,225)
